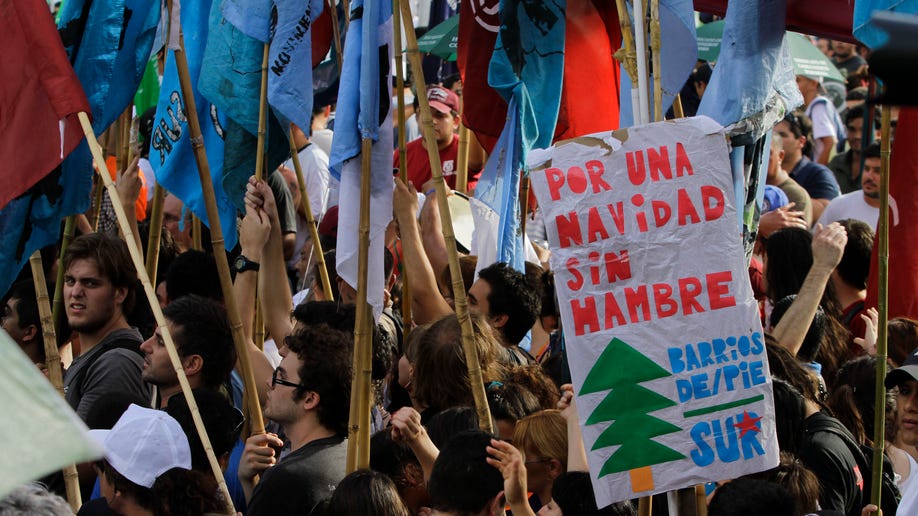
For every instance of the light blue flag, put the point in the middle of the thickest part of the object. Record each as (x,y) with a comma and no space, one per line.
(252,17)
(109,43)
(364,112)
(498,188)
(171,153)
(678,46)
(752,66)
(527,69)
(290,62)
(868,33)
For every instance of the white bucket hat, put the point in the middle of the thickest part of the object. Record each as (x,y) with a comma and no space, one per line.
(144,444)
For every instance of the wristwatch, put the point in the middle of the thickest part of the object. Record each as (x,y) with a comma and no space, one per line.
(242,264)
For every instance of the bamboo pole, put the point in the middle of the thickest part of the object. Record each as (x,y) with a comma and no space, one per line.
(879,421)
(645,505)
(155,233)
(346,4)
(402,154)
(53,365)
(627,55)
(306,207)
(524,203)
(258,335)
(446,220)
(358,446)
(462,159)
(336,32)
(640,43)
(701,501)
(655,43)
(124,136)
(137,258)
(97,202)
(216,234)
(58,306)
(196,242)
(678,112)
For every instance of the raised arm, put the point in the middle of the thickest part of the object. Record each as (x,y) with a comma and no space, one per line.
(427,305)
(828,246)
(273,287)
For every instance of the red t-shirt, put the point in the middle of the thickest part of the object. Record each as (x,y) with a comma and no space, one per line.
(417,163)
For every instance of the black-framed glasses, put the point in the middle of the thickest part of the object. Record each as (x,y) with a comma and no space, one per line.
(275,381)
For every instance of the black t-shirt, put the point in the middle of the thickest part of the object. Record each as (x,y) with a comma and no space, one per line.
(840,479)
(301,480)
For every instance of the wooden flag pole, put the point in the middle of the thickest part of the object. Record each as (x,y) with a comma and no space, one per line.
(402,154)
(358,446)
(677,107)
(97,202)
(655,44)
(137,258)
(645,506)
(256,422)
(259,323)
(879,421)
(196,243)
(446,220)
(336,32)
(155,233)
(53,365)
(462,159)
(306,206)
(627,55)
(524,203)
(640,44)
(701,501)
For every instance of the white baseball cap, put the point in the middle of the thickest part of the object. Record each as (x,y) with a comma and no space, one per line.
(144,444)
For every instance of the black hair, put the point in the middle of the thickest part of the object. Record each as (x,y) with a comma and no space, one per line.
(202,328)
(513,296)
(23,291)
(221,421)
(854,267)
(194,272)
(790,414)
(573,492)
(750,497)
(175,492)
(365,492)
(511,402)
(391,457)
(462,481)
(326,369)
(341,316)
(872,150)
(447,423)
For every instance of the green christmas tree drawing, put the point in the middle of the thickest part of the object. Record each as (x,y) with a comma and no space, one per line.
(620,369)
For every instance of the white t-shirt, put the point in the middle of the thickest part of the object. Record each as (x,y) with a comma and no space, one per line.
(850,206)
(823,122)
(909,490)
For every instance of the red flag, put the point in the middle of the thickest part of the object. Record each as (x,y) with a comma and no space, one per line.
(322,36)
(903,222)
(827,19)
(39,97)
(589,98)
(484,111)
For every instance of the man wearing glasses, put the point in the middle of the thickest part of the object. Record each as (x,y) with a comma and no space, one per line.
(309,397)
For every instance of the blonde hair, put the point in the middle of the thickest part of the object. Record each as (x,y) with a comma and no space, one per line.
(545,433)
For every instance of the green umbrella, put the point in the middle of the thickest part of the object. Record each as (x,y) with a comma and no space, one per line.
(807,58)
(441,40)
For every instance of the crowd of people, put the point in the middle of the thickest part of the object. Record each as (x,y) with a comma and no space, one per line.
(428,454)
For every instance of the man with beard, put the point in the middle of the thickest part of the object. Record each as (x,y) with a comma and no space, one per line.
(204,343)
(863,204)
(99,282)
(310,399)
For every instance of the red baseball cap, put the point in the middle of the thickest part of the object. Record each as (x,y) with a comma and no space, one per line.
(442,99)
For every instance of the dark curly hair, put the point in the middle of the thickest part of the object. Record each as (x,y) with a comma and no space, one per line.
(511,295)
(326,368)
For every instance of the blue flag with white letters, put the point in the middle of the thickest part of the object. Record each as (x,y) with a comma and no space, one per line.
(171,152)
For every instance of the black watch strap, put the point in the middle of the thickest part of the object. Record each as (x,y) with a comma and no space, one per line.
(242,264)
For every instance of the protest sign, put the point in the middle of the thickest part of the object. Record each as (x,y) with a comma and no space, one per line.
(664,341)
